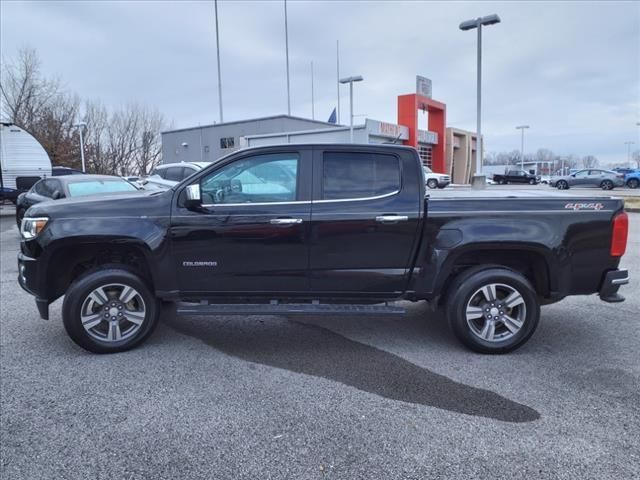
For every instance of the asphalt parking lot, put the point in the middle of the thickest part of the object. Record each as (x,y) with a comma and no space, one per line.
(271,397)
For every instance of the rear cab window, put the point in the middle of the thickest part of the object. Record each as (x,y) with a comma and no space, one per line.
(358,175)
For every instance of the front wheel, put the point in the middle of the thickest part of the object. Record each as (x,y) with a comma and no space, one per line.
(562,185)
(110,310)
(633,183)
(532,182)
(432,183)
(606,185)
(493,310)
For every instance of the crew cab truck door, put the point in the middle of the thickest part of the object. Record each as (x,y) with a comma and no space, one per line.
(251,233)
(367,206)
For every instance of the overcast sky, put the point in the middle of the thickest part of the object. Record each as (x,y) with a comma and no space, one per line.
(571,70)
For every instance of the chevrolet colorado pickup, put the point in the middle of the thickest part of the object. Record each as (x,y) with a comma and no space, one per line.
(318,229)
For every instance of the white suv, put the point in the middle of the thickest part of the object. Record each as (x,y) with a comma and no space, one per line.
(170,174)
(435,180)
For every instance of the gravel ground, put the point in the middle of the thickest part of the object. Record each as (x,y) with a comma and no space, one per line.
(269,397)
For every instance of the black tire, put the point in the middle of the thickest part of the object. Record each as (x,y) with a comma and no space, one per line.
(633,183)
(606,185)
(432,183)
(79,292)
(562,185)
(464,290)
(532,181)
(502,181)
(19,216)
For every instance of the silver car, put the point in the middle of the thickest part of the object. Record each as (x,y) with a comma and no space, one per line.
(591,177)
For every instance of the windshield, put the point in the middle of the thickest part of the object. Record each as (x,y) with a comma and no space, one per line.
(93,187)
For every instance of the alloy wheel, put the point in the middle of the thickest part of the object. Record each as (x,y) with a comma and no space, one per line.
(496,312)
(113,312)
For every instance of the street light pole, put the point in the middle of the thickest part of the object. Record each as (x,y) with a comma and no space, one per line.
(286,46)
(628,144)
(350,80)
(522,129)
(80,126)
(478,23)
(218,56)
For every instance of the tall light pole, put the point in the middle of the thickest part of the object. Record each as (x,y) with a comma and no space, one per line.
(218,55)
(522,129)
(338,79)
(350,80)
(478,23)
(313,108)
(80,126)
(628,144)
(286,48)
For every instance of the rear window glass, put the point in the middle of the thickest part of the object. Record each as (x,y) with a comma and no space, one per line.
(359,175)
(174,174)
(99,186)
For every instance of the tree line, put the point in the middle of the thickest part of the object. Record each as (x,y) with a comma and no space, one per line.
(543,156)
(123,141)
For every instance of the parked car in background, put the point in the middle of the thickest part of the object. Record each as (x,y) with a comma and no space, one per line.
(545,179)
(23,161)
(516,176)
(435,180)
(632,180)
(625,170)
(593,177)
(70,186)
(170,174)
(61,171)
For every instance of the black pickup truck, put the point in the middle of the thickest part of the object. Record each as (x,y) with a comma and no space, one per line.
(318,229)
(516,176)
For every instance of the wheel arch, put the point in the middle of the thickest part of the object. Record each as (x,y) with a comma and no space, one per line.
(70,261)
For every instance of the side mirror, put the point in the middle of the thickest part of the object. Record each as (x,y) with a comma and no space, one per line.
(573,174)
(193,200)
(57,194)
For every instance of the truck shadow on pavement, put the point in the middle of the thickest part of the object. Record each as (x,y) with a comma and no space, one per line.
(317,351)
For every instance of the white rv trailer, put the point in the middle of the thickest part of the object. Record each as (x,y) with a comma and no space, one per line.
(23,161)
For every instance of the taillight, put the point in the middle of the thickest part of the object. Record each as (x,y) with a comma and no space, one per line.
(619,234)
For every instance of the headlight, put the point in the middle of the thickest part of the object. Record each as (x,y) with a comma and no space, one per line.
(31,227)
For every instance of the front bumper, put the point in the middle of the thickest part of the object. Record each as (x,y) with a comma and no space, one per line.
(612,281)
(29,276)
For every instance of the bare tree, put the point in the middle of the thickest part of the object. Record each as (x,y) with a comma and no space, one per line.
(589,161)
(25,94)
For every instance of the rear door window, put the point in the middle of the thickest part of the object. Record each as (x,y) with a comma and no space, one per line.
(174,174)
(353,175)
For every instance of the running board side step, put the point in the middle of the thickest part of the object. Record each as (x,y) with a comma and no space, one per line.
(286,309)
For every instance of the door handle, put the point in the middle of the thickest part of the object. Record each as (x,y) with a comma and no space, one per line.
(285,221)
(391,218)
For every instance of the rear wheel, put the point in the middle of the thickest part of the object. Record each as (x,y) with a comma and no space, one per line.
(110,310)
(562,185)
(606,185)
(432,183)
(633,183)
(494,310)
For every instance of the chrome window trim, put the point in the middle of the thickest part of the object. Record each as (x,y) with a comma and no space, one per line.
(301,202)
(377,197)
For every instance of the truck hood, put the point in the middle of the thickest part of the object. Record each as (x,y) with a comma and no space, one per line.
(138,204)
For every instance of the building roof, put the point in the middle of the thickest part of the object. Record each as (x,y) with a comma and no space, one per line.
(250,120)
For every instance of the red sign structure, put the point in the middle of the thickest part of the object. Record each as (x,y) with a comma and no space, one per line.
(408,107)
